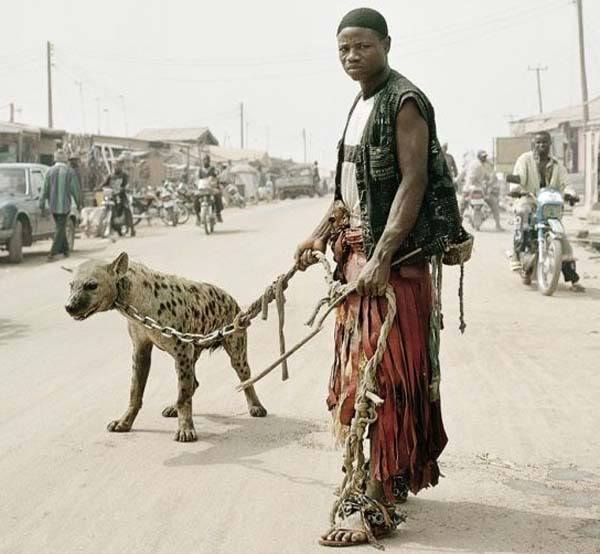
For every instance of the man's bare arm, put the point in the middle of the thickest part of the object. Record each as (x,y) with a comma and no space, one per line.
(412,139)
(316,241)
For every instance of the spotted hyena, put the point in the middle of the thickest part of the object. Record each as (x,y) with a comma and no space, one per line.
(188,306)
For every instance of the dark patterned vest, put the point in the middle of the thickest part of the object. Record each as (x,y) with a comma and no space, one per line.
(378,176)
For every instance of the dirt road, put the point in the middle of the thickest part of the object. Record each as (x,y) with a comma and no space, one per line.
(520,395)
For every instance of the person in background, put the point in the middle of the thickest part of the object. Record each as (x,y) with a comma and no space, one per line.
(537,169)
(450,161)
(61,187)
(481,174)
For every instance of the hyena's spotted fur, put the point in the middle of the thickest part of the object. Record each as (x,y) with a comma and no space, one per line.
(188,306)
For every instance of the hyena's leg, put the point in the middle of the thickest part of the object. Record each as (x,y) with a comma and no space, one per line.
(186,381)
(171,411)
(237,348)
(142,353)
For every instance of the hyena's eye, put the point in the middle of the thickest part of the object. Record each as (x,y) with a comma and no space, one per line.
(90,285)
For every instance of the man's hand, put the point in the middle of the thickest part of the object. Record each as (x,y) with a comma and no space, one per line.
(374,278)
(304,253)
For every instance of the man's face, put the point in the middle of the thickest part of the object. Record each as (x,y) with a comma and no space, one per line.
(206,162)
(541,145)
(363,52)
(482,158)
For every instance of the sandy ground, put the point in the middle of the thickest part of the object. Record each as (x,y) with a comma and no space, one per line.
(520,395)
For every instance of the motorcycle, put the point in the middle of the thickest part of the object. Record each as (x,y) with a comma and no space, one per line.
(114,213)
(477,209)
(144,206)
(539,239)
(207,215)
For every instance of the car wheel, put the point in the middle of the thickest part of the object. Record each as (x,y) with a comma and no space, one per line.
(71,235)
(15,245)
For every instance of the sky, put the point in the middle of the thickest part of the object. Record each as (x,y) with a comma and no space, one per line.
(121,66)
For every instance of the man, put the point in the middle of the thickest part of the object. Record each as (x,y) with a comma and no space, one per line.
(538,169)
(481,174)
(118,181)
(209,173)
(450,161)
(387,164)
(60,188)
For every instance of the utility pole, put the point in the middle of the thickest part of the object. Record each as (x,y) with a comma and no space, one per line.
(49,61)
(304,143)
(247,135)
(98,112)
(241,125)
(12,112)
(538,70)
(107,120)
(80,85)
(124,115)
(584,87)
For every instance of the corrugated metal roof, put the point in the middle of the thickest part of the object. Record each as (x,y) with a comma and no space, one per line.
(221,154)
(177,134)
(15,128)
(551,120)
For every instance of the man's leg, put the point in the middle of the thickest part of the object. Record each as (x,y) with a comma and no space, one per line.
(493,203)
(129,221)
(569,267)
(219,206)
(60,244)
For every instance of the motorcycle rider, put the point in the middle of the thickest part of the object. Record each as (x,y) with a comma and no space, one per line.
(118,181)
(208,171)
(537,169)
(481,174)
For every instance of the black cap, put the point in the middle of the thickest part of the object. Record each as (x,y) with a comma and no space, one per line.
(366,18)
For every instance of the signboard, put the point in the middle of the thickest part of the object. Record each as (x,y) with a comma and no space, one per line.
(507,150)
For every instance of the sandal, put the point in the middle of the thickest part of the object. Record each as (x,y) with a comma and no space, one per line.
(378,533)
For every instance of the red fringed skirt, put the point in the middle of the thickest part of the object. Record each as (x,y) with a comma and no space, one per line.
(408,436)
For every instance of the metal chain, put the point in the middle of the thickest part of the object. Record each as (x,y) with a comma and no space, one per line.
(242,320)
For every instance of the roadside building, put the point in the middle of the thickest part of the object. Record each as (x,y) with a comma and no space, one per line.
(28,143)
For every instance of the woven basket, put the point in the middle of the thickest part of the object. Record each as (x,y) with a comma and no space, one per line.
(459,252)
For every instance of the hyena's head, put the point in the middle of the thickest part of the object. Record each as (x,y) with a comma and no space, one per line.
(94,287)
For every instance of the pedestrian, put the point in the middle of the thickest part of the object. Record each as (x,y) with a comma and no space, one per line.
(450,161)
(389,161)
(61,186)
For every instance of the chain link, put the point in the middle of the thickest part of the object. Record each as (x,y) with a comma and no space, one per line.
(241,322)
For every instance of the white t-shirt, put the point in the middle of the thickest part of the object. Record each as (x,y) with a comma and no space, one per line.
(354,133)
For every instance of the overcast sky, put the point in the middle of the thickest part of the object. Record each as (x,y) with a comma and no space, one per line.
(159,63)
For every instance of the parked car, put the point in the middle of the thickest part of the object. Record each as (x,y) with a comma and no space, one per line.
(21,221)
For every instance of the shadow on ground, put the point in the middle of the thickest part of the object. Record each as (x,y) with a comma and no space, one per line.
(239,440)
(9,330)
(474,527)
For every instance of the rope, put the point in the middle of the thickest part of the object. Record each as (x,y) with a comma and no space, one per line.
(352,496)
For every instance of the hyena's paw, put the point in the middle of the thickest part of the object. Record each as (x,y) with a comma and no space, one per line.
(169,411)
(118,426)
(186,435)
(258,411)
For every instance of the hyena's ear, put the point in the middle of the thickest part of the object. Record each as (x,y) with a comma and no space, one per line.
(120,264)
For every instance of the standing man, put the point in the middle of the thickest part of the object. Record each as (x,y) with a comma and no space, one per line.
(389,161)
(481,174)
(60,186)
(450,161)
(538,169)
